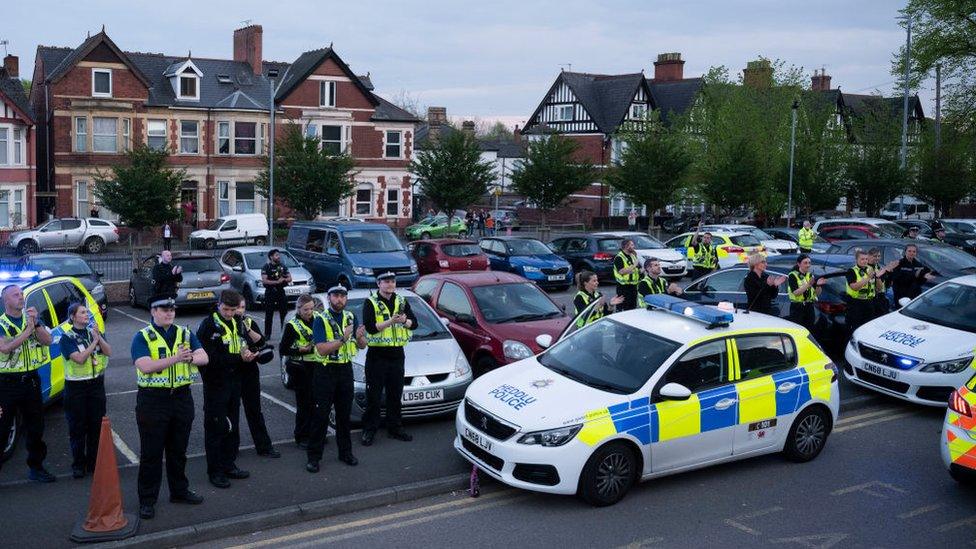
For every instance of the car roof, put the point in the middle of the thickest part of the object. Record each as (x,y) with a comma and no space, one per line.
(51,255)
(252,249)
(872,220)
(363,294)
(966,280)
(685,330)
(732,226)
(619,233)
(341,226)
(717,233)
(443,241)
(859,227)
(509,238)
(477,278)
(191,255)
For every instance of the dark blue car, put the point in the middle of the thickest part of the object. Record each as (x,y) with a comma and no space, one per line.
(787,261)
(588,252)
(529,258)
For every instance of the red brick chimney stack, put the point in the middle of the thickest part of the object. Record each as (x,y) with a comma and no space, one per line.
(820,81)
(669,67)
(247,46)
(12,64)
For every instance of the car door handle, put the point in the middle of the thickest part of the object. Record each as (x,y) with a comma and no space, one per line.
(786,387)
(725,403)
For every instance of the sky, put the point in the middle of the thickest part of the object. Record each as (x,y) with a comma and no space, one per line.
(494,60)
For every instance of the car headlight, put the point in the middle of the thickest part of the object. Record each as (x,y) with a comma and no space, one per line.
(853,343)
(258,284)
(413,267)
(971,242)
(949,366)
(516,350)
(552,437)
(531,269)
(358,372)
(461,366)
(98,291)
(362,270)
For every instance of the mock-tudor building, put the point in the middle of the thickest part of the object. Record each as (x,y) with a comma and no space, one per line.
(95,101)
(17,157)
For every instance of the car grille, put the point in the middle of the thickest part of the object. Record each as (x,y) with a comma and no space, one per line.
(490,460)
(395,270)
(433,378)
(884,358)
(486,423)
(559,271)
(935,394)
(883,382)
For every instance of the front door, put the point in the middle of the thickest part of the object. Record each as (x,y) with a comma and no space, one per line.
(768,384)
(453,303)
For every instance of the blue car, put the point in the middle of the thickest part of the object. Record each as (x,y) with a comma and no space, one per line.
(787,261)
(350,253)
(529,258)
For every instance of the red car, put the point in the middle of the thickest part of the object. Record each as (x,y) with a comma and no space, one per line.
(848,232)
(448,254)
(494,316)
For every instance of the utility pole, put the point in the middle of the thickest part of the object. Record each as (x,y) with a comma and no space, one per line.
(272,74)
(789,202)
(904,117)
(938,105)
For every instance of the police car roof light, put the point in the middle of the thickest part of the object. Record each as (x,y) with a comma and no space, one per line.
(24,275)
(711,316)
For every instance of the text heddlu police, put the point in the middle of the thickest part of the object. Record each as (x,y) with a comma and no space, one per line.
(513,396)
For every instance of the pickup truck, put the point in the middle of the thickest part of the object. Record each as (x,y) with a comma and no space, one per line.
(90,235)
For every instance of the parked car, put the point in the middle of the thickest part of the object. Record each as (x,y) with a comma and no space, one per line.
(231,230)
(961,233)
(67,264)
(790,233)
(436,227)
(244,267)
(505,219)
(946,261)
(907,207)
(788,261)
(588,252)
(768,241)
(529,258)
(926,228)
(732,247)
(203,280)
(448,254)
(882,227)
(849,232)
(673,263)
(494,316)
(351,254)
(89,235)
(436,372)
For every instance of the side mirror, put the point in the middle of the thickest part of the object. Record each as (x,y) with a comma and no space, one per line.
(99,274)
(904,301)
(544,340)
(675,391)
(445,322)
(465,319)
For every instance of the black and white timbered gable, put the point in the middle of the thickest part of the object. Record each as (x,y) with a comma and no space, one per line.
(582,103)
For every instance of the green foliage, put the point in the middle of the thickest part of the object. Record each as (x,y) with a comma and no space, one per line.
(821,146)
(497,131)
(872,164)
(141,189)
(452,174)
(307,178)
(26,84)
(946,173)
(549,173)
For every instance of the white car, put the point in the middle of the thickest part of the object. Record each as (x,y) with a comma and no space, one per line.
(921,352)
(673,263)
(239,229)
(90,235)
(647,393)
(777,245)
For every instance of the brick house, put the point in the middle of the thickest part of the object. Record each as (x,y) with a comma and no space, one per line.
(18,173)
(96,101)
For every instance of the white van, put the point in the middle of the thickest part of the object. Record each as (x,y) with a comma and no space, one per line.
(913,209)
(232,230)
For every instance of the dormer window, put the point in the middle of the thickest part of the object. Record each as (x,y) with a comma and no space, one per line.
(189,86)
(101,82)
(185,79)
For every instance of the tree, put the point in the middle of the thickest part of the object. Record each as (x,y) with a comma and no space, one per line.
(141,189)
(26,84)
(946,172)
(872,168)
(821,145)
(452,174)
(308,177)
(653,165)
(497,131)
(549,173)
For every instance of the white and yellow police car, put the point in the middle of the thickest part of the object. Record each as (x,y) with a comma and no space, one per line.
(648,393)
(922,351)
(959,434)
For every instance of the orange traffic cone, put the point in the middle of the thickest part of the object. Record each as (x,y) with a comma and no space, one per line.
(105,520)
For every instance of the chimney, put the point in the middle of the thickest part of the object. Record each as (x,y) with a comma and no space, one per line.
(821,81)
(758,74)
(12,64)
(517,134)
(468,126)
(669,67)
(436,116)
(247,47)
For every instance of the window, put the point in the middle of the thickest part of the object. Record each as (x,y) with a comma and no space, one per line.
(364,202)
(81,134)
(101,82)
(392,202)
(453,300)
(229,226)
(105,137)
(332,139)
(4,144)
(81,198)
(37,300)
(425,288)
(244,202)
(17,219)
(18,146)
(700,368)
(332,243)
(156,135)
(232,259)
(327,94)
(126,133)
(637,110)
(188,87)
(725,281)
(564,112)
(223,198)
(262,141)
(315,241)
(223,137)
(394,144)
(245,137)
(762,355)
(189,137)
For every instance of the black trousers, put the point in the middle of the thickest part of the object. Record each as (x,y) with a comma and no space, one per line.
(332,386)
(881,305)
(251,401)
(166,242)
(164,418)
(859,313)
(803,314)
(384,374)
(221,418)
(274,301)
(301,377)
(84,408)
(22,392)
(629,291)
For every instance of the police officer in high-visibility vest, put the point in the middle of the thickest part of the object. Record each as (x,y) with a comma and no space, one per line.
(706,256)
(85,352)
(166,357)
(587,283)
(653,283)
(626,272)
(805,237)
(863,282)
(803,291)
(251,385)
(23,349)
(300,361)
(337,339)
(881,304)
(389,322)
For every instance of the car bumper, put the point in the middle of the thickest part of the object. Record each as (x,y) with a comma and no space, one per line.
(453,396)
(291,293)
(544,281)
(929,389)
(192,297)
(957,447)
(366,281)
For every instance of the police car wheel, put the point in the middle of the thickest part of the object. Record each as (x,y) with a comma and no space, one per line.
(11,443)
(966,477)
(285,376)
(608,475)
(807,435)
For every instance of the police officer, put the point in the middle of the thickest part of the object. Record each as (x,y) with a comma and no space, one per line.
(85,352)
(389,321)
(761,289)
(166,357)
(803,291)
(909,275)
(626,271)
(881,304)
(940,233)
(706,256)
(805,237)
(23,349)
(166,277)
(296,344)
(587,283)
(653,282)
(863,282)
(274,276)
(911,232)
(251,386)
(222,337)
(337,340)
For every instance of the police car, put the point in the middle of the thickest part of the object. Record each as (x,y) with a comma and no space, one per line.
(51,296)
(922,351)
(959,434)
(647,393)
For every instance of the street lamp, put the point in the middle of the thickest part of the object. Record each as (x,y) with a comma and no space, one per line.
(272,74)
(789,199)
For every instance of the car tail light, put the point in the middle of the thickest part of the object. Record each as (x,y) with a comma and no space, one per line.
(224,277)
(733,249)
(602,256)
(832,308)
(488,265)
(116,230)
(959,405)
(833,371)
(444,264)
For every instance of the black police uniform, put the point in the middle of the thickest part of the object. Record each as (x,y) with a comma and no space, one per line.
(759,294)
(384,372)
(300,374)
(251,394)
(163,280)
(274,296)
(881,304)
(907,279)
(20,391)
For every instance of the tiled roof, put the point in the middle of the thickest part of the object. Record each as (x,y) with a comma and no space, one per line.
(675,97)
(605,97)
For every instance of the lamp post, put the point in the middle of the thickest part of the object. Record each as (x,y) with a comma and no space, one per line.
(272,74)
(904,114)
(789,196)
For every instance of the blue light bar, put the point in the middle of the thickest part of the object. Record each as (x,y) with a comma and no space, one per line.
(711,316)
(24,275)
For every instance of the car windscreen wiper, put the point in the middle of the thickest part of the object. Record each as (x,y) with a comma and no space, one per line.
(521,318)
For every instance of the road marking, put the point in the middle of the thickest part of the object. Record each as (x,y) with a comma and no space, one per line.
(850,426)
(734,522)
(121,312)
(124,448)
(642,543)
(971,521)
(919,511)
(829,540)
(874,413)
(281,403)
(866,488)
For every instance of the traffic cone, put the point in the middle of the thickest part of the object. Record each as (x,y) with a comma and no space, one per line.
(105,520)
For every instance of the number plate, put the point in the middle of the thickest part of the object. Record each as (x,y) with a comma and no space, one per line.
(200,295)
(424,395)
(555,278)
(293,290)
(878,370)
(477,438)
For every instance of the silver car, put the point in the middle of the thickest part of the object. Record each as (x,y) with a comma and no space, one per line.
(90,235)
(203,280)
(244,265)
(436,372)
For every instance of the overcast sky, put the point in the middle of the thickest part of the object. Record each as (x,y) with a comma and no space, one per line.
(493,59)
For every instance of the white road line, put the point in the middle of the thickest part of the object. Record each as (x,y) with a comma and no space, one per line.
(281,403)
(854,419)
(121,312)
(124,448)
(920,511)
(851,426)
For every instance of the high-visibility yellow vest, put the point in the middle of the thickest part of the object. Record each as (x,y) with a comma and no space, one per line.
(595,314)
(808,296)
(658,286)
(26,358)
(303,338)
(230,338)
(394,335)
(334,331)
(706,257)
(866,291)
(805,238)
(176,375)
(629,261)
(93,366)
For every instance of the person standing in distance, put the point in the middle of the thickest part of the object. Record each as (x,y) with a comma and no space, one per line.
(587,283)
(274,276)
(706,256)
(805,237)
(166,277)
(389,321)
(167,236)
(626,272)
(296,345)
(251,386)
(166,357)
(803,291)
(23,349)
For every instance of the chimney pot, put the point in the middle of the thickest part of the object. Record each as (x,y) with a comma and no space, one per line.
(820,81)
(669,67)
(247,47)
(12,64)
(436,116)
(468,126)
(758,74)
